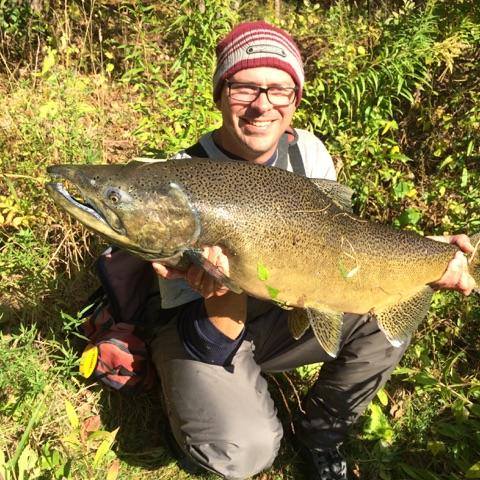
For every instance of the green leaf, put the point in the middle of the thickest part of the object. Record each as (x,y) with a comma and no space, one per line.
(423,378)
(402,189)
(262,272)
(411,216)
(104,447)
(473,471)
(272,292)
(377,426)
(48,110)
(455,432)
(436,447)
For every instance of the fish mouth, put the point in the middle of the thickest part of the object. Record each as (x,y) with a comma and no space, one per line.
(82,206)
(86,206)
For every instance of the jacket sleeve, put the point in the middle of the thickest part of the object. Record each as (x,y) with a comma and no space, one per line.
(202,340)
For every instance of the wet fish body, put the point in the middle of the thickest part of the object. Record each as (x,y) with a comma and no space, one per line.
(289,239)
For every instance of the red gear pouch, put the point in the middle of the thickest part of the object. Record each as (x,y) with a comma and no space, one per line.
(117,353)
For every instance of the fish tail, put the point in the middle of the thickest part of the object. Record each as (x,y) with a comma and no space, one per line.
(474,259)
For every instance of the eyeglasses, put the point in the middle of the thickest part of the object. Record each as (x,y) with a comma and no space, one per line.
(247,93)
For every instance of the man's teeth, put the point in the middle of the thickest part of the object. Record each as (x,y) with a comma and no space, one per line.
(261,124)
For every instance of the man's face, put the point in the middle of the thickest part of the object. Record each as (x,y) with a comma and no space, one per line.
(252,130)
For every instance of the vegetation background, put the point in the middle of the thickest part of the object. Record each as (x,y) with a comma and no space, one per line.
(392,88)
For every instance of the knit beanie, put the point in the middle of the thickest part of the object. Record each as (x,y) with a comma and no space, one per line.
(257,44)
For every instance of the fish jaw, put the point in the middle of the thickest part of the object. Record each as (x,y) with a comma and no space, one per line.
(87,212)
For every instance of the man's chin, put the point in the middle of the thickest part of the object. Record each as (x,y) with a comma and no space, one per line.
(258,144)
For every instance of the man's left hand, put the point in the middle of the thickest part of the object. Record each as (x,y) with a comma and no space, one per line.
(456,277)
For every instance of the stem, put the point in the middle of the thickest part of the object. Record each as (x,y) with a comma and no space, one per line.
(26,434)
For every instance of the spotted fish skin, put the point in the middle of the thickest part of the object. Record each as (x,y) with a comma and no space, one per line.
(287,240)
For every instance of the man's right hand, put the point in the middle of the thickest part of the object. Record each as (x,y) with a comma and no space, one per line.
(196,277)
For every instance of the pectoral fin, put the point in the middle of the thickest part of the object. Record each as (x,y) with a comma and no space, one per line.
(400,320)
(198,259)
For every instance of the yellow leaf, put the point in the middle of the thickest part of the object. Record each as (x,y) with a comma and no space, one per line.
(412,193)
(17,221)
(72,439)
(392,124)
(48,61)
(48,110)
(98,435)
(361,50)
(395,149)
(88,360)
(71,414)
(10,216)
(383,397)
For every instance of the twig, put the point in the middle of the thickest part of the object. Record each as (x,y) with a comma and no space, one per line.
(295,391)
(28,177)
(284,401)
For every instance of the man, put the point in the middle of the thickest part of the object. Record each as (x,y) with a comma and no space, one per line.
(211,355)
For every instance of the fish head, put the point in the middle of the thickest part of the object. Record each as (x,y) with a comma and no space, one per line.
(147,216)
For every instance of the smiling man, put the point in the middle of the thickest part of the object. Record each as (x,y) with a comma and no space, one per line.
(212,352)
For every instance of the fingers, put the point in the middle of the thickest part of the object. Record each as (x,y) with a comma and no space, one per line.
(462,241)
(167,272)
(204,283)
(456,277)
(196,276)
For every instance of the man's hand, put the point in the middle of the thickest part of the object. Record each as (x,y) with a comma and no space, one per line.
(196,277)
(456,277)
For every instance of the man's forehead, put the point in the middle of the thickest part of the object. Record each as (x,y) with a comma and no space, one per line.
(262,76)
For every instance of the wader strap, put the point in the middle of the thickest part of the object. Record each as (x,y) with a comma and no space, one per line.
(283,150)
(296,159)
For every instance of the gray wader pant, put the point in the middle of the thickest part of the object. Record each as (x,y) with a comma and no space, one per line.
(225,419)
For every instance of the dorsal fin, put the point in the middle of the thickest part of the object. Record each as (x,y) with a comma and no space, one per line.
(340,194)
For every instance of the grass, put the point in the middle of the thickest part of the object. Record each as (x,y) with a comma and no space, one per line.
(412,163)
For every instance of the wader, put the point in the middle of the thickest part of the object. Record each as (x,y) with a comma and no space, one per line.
(225,418)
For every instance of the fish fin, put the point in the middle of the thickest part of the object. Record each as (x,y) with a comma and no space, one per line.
(298,322)
(199,260)
(340,194)
(398,321)
(474,260)
(327,327)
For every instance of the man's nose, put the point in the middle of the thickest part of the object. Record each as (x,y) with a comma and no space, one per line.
(262,103)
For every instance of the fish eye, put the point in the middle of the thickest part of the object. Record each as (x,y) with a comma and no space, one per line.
(114,195)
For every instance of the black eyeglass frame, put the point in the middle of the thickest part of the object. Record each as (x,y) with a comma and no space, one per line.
(261,90)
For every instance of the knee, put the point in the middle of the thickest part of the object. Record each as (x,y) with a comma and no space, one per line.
(241,453)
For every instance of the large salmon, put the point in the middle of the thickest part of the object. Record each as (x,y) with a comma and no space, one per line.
(288,238)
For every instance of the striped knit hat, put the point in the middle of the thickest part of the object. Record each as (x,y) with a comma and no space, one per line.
(257,44)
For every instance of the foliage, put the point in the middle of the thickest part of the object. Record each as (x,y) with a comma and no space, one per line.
(177,109)
(392,89)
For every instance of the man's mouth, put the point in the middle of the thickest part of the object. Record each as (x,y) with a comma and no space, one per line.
(258,123)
